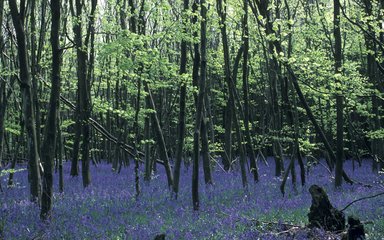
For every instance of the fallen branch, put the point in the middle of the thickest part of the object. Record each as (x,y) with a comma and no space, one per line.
(100,129)
(264,222)
(360,199)
(288,231)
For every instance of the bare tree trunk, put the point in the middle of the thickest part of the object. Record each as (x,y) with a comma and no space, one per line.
(233,96)
(250,151)
(339,97)
(200,105)
(182,104)
(274,77)
(60,153)
(373,76)
(147,153)
(28,104)
(3,97)
(205,147)
(159,137)
(50,132)
(312,118)
(84,96)
(76,144)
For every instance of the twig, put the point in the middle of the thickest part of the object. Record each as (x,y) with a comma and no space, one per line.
(360,199)
(264,222)
(217,162)
(288,231)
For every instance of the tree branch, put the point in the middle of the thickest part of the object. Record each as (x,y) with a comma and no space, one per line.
(360,199)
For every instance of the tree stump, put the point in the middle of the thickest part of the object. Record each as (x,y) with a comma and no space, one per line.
(160,237)
(322,214)
(356,229)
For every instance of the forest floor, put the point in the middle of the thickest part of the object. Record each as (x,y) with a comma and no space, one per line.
(108,209)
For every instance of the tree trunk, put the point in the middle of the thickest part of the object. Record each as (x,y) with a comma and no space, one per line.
(159,137)
(50,133)
(147,136)
(60,153)
(250,151)
(28,104)
(339,97)
(182,104)
(3,97)
(200,105)
(374,79)
(205,148)
(84,95)
(312,118)
(274,77)
(229,110)
(76,144)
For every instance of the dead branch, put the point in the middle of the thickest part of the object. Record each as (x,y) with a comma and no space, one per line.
(360,199)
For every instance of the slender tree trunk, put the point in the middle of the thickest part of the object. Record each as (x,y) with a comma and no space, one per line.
(118,122)
(200,105)
(76,144)
(229,111)
(136,142)
(250,151)
(34,71)
(376,143)
(159,137)
(60,153)
(227,154)
(83,92)
(339,97)
(28,104)
(230,80)
(16,151)
(147,153)
(205,147)
(294,146)
(373,76)
(274,77)
(3,96)
(182,104)
(312,118)
(50,132)
(13,165)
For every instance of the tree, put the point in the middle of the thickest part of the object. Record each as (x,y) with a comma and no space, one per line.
(50,134)
(18,18)
(245,36)
(339,96)
(182,104)
(83,92)
(199,105)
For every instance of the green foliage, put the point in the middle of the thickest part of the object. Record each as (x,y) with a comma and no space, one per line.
(9,171)
(378,134)
(13,128)
(124,60)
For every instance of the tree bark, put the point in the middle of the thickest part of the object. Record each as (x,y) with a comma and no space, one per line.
(312,118)
(84,96)
(3,97)
(50,133)
(250,151)
(233,96)
(182,104)
(339,97)
(28,104)
(159,137)
(200,105)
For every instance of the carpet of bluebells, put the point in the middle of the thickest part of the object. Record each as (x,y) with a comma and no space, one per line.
(108,208)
